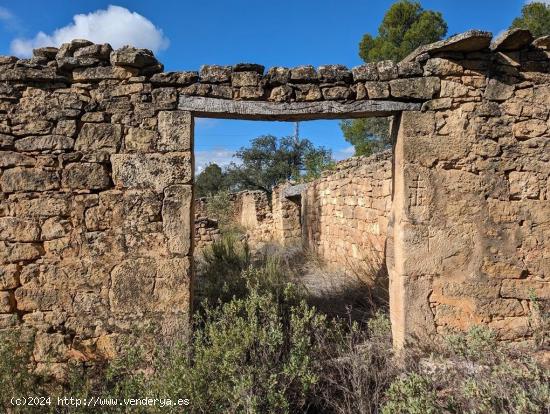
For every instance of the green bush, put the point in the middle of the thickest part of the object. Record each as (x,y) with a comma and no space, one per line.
(255,355)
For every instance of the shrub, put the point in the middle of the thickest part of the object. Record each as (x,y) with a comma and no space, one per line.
(15,379)
(256,355)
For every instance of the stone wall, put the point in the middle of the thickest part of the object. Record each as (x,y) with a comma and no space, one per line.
(96,205)
(96,171)
(470,238)
(345,214)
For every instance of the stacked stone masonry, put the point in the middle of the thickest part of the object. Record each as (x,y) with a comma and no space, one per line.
(96,174)
(345,214)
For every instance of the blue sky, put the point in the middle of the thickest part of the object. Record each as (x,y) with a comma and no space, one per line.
(187,34)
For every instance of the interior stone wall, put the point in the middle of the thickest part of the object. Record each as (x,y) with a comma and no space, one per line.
(345,214)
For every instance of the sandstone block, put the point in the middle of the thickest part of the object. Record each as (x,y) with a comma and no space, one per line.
(28,179)
(142,140)
(99,136)
(529,129)
(221,91)
(132,285)
(6,141)
(278,76)
(387,70)
(96,74)
(165,98)
(239,79)
(249,67)
(86,176)
(18,230)
(409,69)
(176,218)
(498,91)
(442,67)
(366,72)
(101,52)
(416,88)
(9,276)
(18,252)
(303,74)
(15,159)
(281,93)
(251,92)
(334,73)
(175,131)
(44,143)
(337,93)
(308,92)
(174,78)
(130,56)
(377,90)
(6,303)
(523,185)
(31,298)
(43,206)
(54,228)
(49,347)
(215,74)
(153,171)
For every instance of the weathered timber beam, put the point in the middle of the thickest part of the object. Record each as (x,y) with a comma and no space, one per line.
(293,111)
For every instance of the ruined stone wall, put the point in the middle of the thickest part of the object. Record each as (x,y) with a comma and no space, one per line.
(470,239)
(96,170)
(96,204)
(345,214)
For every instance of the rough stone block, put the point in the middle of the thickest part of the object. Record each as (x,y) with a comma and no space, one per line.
(141,140)
(99,136)
(523,185)
(531,128)
(442,67)
(525,289)
(44,143)
(176,218)
(377,90)
(303,74)
(6,303)
(415,88)
(28,179)
(497,90)
(215,74)
(96,74)
(130,56)
(366,72)
(278,76)
(86,176)
(281,93)
(239,79)
(18,230)
(387,70)
(18,252)
(165,98)
(151,171)
(15,159)
(9,276)
(337,93)
(334,73)
(175,130)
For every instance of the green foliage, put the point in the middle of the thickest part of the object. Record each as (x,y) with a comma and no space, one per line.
(220,268)
(414,394)
(367,135)
(210,181)
(535,16)
(270,160)
(253,355)
(15,379)
(406,26)
(219,207)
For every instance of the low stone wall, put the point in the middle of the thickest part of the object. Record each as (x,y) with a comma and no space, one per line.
(345,214)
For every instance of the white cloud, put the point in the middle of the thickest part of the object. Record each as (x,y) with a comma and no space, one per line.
(115,25)
(8,19)
(220,156)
